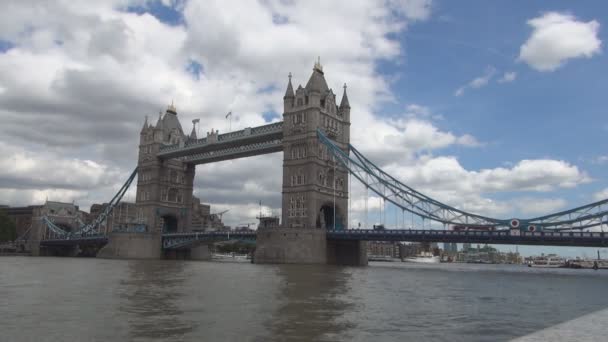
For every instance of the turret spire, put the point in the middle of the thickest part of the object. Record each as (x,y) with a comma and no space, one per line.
(344,103)
(159,123)
(171,109)
(145,124)
(289,92)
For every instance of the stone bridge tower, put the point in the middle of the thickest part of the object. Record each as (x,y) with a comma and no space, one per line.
(164,187)
(315,188)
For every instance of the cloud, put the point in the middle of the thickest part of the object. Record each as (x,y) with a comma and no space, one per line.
(76,85)
(601,195)
(507,77)
(600,160)
(477,82)
(78,82)
(538,206)
(558,37)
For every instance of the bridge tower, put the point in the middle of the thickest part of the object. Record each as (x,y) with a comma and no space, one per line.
(315,188)
(164,187)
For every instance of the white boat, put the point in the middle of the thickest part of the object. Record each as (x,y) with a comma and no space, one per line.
(548,261)
(423,258)
(229,257)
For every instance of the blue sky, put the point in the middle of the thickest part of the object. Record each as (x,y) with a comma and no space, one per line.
(479,104)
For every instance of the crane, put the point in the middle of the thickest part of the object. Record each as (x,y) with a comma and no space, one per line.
(219,214)
(246,224)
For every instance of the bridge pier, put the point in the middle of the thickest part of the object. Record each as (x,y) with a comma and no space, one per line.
(306,246)
(353,253)
(200,252)
(123,245)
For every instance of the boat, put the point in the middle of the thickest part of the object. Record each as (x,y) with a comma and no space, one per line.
(547,261)
(229,257)
(423,258)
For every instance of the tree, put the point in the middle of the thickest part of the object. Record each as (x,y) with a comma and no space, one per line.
(8,230)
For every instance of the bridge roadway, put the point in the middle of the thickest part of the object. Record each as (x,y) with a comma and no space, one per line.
(573,239)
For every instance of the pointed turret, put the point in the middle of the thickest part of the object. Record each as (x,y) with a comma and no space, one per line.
(193,134)
(159,123)
(145,127)
(289,94)
(344,103)
(317,80)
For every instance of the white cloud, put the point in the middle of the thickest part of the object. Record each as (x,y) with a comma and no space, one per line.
(78,83)
(601,195)
(477,82)
(413,9)
(507,77)
(557,37)
(446,180)
(539,206)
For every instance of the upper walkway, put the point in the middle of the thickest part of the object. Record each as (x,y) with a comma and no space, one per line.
(247,142)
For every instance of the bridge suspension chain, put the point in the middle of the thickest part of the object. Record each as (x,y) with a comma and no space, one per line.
(431,210)
(85,229)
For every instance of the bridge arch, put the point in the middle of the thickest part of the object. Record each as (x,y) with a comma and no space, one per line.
(325,217)
(170,223)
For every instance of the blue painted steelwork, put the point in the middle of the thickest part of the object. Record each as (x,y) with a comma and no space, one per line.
(408,199)
(91,228)
(507,237)
(97,239)
(108,209)
(187,240)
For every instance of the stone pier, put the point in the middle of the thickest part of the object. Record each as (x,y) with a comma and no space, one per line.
(306,246)
(123,245)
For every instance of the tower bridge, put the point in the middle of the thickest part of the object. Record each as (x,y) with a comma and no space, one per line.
(318,158)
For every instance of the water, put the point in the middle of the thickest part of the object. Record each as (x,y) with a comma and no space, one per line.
(73,299)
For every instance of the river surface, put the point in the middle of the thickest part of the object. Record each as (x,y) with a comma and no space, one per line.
(79,299)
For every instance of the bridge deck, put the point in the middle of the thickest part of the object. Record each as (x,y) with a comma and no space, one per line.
(575,239)
(579,239)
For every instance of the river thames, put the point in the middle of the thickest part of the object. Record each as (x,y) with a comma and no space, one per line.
(78,299)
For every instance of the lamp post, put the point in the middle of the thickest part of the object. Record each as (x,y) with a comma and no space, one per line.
(334,180)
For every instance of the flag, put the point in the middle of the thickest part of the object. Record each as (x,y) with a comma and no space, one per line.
(195,121)
(229,114)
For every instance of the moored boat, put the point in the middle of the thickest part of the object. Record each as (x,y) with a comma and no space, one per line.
(547,261)
(424,258)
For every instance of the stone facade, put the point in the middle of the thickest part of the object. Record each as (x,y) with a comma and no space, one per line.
(311,179)
(164,187)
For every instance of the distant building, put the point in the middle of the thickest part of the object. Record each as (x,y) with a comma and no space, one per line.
(126,215)
(383,249)
(268,222)
(67,216)
(450,248)
(22,216)
(488,255)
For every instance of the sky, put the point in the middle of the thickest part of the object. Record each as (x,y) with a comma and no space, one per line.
(493,107)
